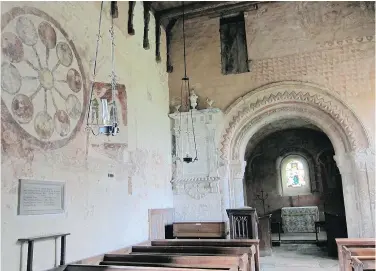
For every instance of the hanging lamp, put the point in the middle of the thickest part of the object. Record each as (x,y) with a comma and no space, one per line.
(109,122)
(186,105)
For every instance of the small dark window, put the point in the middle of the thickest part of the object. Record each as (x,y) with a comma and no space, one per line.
(233,45)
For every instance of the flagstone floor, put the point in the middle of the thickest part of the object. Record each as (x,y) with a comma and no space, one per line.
(298,257)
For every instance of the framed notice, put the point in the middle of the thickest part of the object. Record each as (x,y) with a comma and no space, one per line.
(41,197)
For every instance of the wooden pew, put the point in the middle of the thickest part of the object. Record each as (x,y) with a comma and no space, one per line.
(348,252)
(214,243)
(79,267)
(351,242)
(173,260)
(360,263)
(199,250)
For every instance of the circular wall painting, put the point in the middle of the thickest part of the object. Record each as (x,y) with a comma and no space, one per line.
(42,79)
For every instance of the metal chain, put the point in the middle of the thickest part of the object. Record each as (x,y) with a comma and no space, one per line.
(88,127)
(113,75)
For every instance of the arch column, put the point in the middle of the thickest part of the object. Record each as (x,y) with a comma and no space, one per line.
(358,181)
(236,183)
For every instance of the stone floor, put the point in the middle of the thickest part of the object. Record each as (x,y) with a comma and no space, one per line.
(298,257)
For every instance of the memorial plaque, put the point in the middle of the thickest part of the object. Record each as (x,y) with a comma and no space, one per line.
(41,197)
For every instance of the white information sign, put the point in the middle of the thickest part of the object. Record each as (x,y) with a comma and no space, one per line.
(41,197)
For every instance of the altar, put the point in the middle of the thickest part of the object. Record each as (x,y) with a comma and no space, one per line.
(299,219)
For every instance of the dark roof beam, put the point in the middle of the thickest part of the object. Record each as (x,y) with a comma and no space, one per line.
(205,8)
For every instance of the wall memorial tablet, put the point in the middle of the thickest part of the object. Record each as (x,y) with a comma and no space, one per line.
(41,197)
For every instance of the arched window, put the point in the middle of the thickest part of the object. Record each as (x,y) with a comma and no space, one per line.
(294,172)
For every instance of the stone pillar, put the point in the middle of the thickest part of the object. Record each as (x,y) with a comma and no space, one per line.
(358,183)
(364,168)
(236,187)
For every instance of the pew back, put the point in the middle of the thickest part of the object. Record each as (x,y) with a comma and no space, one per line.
(348,252)
(202,261)
(360,263)
(79,267)
(351,242)
(215,243)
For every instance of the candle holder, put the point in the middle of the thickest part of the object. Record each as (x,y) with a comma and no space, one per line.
(262,197)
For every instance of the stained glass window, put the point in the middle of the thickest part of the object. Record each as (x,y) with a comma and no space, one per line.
(295,173)
(294,177)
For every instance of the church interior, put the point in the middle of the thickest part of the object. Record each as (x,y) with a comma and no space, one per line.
(176,135)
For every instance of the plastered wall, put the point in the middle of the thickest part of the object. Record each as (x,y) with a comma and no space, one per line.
(330,44)
(102,213)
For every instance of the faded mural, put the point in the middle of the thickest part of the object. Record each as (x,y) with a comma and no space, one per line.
(42,79)
(45,72)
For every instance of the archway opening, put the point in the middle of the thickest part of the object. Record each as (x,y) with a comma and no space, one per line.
(292,175)
(319,107)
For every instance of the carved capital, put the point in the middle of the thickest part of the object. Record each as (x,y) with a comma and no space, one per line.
(364,160)
(237,169)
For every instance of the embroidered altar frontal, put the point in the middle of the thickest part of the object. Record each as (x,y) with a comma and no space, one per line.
(299,219)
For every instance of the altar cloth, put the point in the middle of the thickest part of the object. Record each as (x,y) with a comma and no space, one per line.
(299,219)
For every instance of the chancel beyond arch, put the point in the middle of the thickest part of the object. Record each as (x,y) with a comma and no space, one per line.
(297,100)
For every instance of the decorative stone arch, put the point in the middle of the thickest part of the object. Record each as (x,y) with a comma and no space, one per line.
(290,100)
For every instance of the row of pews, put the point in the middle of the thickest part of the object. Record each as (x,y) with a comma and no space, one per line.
(182,255)
(356,254)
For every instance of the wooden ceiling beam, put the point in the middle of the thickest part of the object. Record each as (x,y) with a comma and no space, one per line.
(205,8)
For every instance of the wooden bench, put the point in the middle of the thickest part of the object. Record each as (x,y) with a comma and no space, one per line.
(360,263)
(349,252)
(173,260)
(79,267)
(351,242)
(249,243)
(199,250)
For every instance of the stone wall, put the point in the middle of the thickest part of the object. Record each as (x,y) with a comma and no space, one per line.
(262,171)
(102,213)
(330,44)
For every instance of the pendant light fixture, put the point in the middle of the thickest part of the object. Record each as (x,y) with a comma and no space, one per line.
(109,122)
(186,105)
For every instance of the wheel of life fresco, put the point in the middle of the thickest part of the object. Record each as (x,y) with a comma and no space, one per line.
(42,78)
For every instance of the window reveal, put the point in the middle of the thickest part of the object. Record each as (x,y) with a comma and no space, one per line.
(234,53)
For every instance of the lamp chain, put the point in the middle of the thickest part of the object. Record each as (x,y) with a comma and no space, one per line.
(88,127)
(113,75)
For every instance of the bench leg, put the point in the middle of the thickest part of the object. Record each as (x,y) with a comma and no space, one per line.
(30,251)
(257,258)
(62,252)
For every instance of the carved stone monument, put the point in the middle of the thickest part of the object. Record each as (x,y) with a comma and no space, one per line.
(196,186)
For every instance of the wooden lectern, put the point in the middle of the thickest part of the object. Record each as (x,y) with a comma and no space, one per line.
(243,223)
